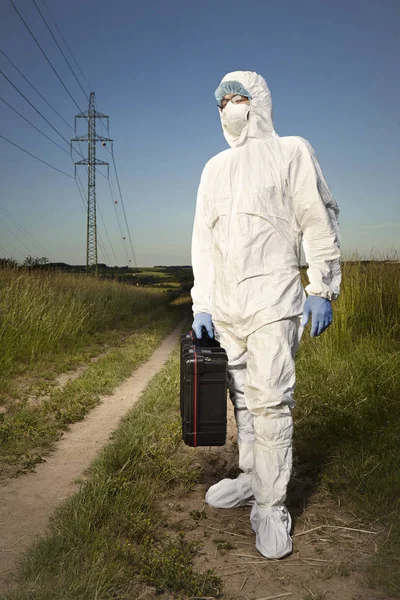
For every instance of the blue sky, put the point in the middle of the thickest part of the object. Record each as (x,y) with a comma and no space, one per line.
(332,68)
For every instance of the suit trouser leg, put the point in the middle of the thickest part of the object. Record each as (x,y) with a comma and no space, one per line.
(269,388)
(261,383)
(237,364)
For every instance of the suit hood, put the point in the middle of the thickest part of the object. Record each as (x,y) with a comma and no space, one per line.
(260,124)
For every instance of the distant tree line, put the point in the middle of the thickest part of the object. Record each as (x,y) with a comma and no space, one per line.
(183,275)
(29,262)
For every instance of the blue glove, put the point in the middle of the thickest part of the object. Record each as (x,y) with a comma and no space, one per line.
(321,310)
(202,320)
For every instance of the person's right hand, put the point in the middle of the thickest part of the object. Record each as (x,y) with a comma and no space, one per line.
(202,320)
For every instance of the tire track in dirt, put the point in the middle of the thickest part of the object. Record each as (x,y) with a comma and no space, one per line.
(27,503)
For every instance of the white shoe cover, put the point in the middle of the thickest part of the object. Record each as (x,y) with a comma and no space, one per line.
(272,527)
(231,493)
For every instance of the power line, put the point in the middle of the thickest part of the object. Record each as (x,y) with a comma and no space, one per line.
(17,238)
(37,91)
(104,225)
(14,248)
(38,111)
(103,126)
(45,55)
(33,106)
(22,229)
(116,214)
(32,125)
(82,194)
(115,203)
(59,47)
(33,156)
(63,39)
(6,251)
(123,207)
(103,251)
(108,237)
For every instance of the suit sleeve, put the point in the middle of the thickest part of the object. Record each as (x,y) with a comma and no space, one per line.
(316,213)
(201,255)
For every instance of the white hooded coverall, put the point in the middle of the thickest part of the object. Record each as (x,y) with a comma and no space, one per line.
(257,202)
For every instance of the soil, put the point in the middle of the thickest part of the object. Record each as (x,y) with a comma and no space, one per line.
(27,503)
(331,546)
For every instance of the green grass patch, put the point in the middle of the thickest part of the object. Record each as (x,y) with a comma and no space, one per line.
(46,314)
(148,273)
(347,427)
(169,566)
(27,431)
(109,540)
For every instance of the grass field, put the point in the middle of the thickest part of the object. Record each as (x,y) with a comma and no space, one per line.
(55,322)
(151,273)
(147,273)
(108,540)
(348,397)
(46,314)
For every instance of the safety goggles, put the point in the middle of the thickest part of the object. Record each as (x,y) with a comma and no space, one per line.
(236,99)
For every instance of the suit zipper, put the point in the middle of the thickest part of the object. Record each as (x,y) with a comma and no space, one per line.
(228,251)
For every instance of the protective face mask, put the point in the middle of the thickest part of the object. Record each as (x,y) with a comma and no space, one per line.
(234,117)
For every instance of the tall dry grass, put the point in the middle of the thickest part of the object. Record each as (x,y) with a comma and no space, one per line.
(346,438)
(43,313)
(369,303)
(347,417)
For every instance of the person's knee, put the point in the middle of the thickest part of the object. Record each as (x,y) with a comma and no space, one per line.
(262,400)
(274,430)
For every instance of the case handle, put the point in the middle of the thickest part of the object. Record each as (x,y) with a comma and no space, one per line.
(206,341)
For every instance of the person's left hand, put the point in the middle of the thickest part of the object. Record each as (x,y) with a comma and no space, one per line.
(321,310)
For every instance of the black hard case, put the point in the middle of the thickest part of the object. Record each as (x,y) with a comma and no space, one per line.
(203,393)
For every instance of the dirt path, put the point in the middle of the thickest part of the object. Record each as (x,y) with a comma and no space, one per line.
(27,503)
(331,546)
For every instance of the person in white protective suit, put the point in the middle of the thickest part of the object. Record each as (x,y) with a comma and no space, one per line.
(257,202)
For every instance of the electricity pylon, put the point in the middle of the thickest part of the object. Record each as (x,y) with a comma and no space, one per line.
(91,138)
